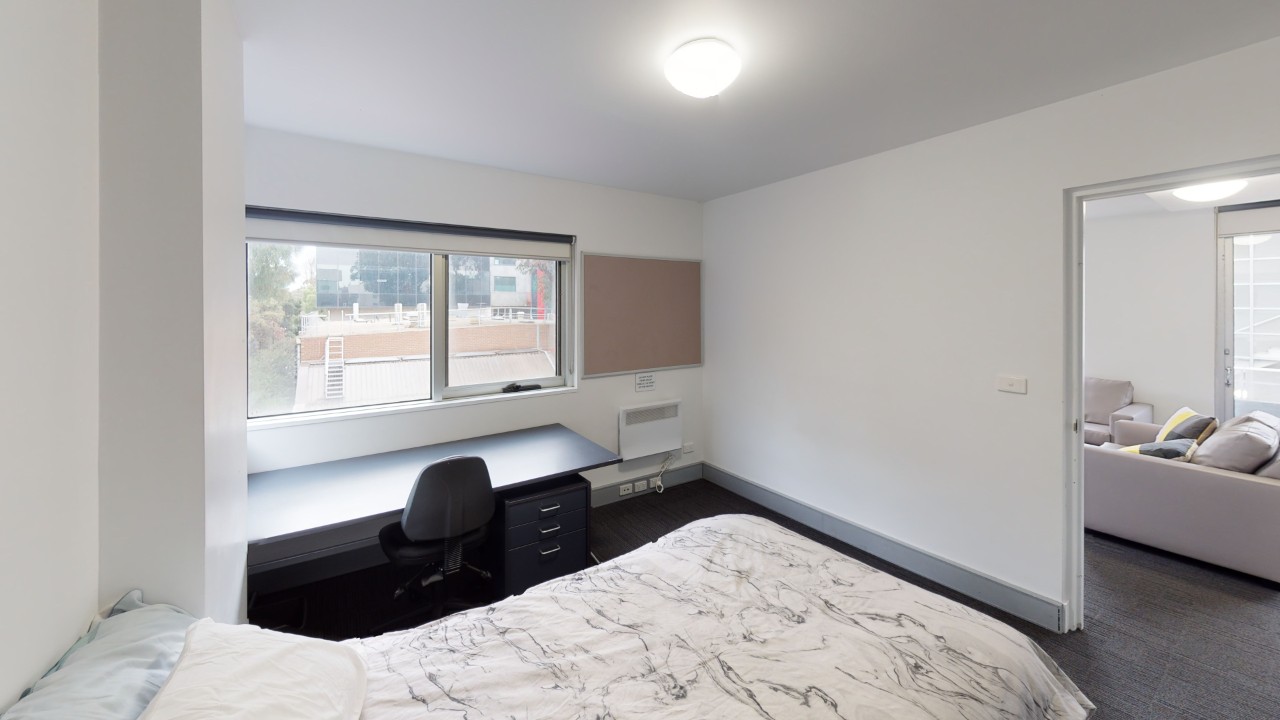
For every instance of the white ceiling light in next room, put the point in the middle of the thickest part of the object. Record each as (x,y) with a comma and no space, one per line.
(1210,191)
(1252,239)
(702,68)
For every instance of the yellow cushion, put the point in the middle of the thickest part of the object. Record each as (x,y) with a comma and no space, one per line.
(1179,450)
(1189,424)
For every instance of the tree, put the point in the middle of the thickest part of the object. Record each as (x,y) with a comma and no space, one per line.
(541,270)
(274,320)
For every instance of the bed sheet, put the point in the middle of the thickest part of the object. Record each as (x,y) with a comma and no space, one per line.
(730,617)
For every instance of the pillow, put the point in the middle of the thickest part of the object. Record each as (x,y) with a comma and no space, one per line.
(1187,423)
(114,670)
(242,671)
(1269,469)
(1176,450)
(1103,397)
(1242,444)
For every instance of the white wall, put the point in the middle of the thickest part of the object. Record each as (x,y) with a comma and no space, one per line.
(1151,306)
(875,399)
(48,424)
(302,173)
(171,462)
(225,341)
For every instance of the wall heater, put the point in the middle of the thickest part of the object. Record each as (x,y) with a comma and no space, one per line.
(649,429)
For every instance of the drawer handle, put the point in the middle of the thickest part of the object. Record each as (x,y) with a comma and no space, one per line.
(550,509)
(552,551)
(544,531)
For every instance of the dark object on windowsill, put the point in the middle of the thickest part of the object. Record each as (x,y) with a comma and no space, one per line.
(513,387)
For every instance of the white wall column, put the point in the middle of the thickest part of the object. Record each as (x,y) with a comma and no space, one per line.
(172,306)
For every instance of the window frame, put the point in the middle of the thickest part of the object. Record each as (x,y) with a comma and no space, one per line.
(418,240)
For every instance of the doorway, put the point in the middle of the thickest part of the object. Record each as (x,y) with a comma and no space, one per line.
(1141,190)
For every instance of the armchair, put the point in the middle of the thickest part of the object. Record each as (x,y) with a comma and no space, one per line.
(1107,402)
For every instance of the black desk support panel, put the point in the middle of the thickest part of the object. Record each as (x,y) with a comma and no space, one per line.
(321,520)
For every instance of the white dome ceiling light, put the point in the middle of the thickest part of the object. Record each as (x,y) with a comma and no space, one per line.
(1210,191)
(702,68)
(1257,239)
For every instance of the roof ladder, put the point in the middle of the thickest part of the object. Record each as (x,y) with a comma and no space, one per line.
(335,377)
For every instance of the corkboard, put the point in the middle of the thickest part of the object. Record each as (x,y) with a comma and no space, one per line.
(640,314)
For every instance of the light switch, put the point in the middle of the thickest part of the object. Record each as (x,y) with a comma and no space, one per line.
(1011,384)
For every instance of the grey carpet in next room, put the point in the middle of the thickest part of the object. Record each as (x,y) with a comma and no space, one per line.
(1165,637)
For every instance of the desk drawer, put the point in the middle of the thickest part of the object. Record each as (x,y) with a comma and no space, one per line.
(546,505)
(541,561)
(548,529)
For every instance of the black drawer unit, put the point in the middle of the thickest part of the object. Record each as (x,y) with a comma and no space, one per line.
(549,529)
(544,534)
(544,505)
(541,561)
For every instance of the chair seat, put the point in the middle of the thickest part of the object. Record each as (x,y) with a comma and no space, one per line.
(400,550)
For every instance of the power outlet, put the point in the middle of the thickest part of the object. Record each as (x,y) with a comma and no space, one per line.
(624,489)
(688,448)
(642,485)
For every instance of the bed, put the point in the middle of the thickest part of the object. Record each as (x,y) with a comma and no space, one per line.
(729,617)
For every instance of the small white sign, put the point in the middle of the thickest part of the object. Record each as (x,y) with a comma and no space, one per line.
(645,382)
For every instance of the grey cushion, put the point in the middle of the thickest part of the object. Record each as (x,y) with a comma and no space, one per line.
(1103,397)
(1176,450)
(1095,434)
(1242,444)
(1269,470)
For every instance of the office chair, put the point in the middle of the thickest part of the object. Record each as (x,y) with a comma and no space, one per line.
(448,512)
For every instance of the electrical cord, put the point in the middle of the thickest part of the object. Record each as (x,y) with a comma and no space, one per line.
(656,484)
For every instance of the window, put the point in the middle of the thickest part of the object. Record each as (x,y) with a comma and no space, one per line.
(512,336)
(1249,347)
(356,315)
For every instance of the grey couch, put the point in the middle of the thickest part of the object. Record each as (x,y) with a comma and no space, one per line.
(1222,517)
(1107,402)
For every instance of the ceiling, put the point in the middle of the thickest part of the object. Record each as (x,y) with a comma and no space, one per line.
(574,88)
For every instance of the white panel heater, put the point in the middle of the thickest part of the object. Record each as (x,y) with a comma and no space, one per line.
(649,429)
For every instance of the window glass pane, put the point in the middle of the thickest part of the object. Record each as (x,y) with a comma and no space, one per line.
(1262,349)
(336,327)
(1266,271)
(1264,321)
(1266,296)
(502,319)
(1269,248)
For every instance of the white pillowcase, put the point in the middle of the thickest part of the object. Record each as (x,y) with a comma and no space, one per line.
(243,672)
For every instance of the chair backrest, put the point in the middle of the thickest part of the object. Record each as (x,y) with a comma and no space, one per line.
(451,497)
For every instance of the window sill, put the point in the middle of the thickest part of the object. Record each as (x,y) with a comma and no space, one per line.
(324,416)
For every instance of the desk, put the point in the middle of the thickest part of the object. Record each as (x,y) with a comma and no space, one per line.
(316,521)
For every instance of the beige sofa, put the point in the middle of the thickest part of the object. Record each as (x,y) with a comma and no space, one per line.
(1107,402)
(1222,517)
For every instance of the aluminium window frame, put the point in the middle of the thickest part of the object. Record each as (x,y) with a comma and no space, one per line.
(441,392)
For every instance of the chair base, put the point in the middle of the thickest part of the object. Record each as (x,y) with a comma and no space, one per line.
(439,604)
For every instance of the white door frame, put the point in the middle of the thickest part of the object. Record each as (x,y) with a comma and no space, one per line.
(1073,363)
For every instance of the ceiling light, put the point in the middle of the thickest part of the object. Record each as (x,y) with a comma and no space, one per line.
(1210,191)
(1251,239)
(703,68)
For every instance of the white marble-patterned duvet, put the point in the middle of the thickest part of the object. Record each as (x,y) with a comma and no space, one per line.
(732,617)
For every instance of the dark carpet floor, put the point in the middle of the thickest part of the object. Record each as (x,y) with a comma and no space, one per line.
(1165,637)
